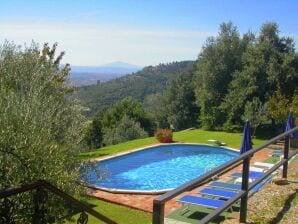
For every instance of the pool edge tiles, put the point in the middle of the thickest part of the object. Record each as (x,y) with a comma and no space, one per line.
(111,186)
(102,158)
(126,191)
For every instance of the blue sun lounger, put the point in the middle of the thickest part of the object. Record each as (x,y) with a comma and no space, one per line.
(225,194)
(199,201)
(277,153)
(226,186)
(215,192)
(252,175)
(205,202)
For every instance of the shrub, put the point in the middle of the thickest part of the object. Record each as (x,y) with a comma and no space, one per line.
(127,130)
(164,135)
(231,128)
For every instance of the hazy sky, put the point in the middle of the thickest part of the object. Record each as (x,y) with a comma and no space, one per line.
(141,32)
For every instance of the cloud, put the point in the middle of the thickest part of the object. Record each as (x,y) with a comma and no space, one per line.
(95,44)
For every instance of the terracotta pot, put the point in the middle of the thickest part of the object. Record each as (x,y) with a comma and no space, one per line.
(280,181)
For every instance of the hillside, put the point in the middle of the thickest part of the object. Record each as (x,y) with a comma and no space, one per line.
(85,78)
(89,75)
(149,80)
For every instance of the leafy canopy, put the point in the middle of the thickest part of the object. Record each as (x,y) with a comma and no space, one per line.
(231,71)
(40,127)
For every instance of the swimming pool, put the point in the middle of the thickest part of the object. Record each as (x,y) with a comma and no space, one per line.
(155,169)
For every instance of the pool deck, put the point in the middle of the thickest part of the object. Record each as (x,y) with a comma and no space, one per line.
(145,202)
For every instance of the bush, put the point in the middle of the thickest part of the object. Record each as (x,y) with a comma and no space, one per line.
(127,130)
(164,135)
(231,128)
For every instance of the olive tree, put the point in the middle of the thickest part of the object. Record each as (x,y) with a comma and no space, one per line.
(40,127)
(256,113)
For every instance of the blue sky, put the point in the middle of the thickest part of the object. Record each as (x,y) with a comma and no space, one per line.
(142,32)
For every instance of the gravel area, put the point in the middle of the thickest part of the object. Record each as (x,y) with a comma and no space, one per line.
(274,203)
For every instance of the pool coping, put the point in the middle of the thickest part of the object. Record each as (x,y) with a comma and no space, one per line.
(154,145)
(146,192)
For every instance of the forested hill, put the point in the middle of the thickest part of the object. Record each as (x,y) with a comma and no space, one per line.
(150,80)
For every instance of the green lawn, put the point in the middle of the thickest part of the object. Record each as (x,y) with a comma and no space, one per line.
(119,214)
(112,149)
(233,140)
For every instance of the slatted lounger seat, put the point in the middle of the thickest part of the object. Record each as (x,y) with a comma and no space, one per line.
(250,180)
(277,153)
(224,185)
(263,165)
(258,186)
(252,175)
(199,201)
(239,180)
(214,192)
(267,166)
(218,193)
(235,187)
(257,169)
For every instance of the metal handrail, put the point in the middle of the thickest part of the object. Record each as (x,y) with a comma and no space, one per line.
(159,203)
(44,184)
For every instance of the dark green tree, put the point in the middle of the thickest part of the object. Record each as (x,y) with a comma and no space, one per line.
(130,108)
(269,65)
(180,109)
(94,133)
(220,58)
(155,105)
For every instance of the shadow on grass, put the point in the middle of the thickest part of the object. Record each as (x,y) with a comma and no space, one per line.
(201,215)
(196,213)
(194,216)
(76,211)
(285,208)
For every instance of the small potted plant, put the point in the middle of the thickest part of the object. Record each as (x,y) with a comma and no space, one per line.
(164,135)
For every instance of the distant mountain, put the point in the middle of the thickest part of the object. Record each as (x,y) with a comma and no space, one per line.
(139,85)
(88,75)
(121,64)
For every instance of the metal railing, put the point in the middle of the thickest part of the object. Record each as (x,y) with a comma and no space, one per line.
(159,203)
(39,200)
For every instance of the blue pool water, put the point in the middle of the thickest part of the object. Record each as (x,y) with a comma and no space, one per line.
(156,168)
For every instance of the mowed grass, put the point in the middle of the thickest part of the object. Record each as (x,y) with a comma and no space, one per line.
(119,214)
(113,149)
(232,140)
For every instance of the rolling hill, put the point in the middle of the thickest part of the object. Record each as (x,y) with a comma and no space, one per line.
(149,80)
(89,75)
